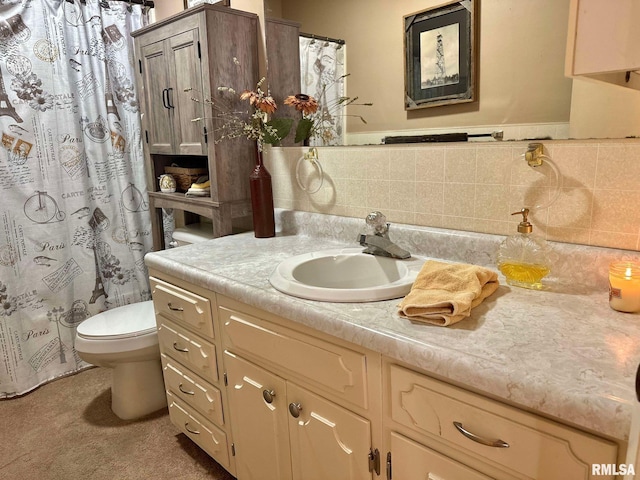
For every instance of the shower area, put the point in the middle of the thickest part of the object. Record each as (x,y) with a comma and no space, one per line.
(74,219)
(323,76)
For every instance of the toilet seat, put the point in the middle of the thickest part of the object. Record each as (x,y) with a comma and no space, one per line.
(123,329)
(122,322)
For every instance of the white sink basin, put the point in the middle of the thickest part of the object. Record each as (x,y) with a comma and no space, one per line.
(345,275)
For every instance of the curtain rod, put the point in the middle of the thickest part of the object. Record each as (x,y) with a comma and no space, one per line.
(144,3)
(319,37)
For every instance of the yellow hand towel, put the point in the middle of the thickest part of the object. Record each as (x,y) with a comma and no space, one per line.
(445,293)
(198,186)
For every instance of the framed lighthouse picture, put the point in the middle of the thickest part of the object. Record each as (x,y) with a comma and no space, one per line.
(440,55)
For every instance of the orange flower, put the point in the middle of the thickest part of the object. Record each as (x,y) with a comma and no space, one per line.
(303,103)
(267,104)
(259,100)
(248,94)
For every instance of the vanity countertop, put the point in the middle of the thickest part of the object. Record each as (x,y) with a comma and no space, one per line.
(563,353)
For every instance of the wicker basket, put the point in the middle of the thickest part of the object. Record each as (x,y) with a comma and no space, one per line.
(185,176)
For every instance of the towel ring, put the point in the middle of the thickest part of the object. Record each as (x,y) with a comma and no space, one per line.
(309,169)
(542,165)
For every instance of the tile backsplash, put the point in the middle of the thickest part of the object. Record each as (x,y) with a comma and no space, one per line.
(475,187)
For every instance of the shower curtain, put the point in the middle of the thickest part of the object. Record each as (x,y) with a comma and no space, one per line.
(322,76)
(74,219)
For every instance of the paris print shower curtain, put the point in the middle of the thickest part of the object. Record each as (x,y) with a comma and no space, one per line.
(322,75)
(74,219)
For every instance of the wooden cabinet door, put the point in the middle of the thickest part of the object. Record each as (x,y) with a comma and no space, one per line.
(327,441)
(185,73)
(159,119)
(258,420)
(170,67)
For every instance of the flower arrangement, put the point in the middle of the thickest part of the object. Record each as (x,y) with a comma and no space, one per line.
(318,120)
(253,124)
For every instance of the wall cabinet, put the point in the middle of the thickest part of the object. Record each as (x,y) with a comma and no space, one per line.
(602,41)
(182,61)
(169,67)
(272,399)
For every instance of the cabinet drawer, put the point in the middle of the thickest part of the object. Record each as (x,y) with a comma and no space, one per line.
(199,394)
(209,437)
(337,370)
(412,461)
(188,349)
(187,308)
(537,447)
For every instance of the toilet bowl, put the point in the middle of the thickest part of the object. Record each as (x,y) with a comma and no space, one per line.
(126,340)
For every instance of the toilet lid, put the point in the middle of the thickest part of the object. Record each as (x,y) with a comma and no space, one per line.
(126,321)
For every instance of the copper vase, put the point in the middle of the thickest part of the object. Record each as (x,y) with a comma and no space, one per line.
(264,224)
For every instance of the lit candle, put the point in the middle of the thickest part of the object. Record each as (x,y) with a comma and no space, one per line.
(624,286)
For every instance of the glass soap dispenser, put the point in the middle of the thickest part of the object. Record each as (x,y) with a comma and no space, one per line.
(523,257)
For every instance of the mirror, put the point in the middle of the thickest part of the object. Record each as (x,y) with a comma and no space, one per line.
(522,87)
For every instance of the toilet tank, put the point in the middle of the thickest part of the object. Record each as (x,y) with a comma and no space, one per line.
(193,233)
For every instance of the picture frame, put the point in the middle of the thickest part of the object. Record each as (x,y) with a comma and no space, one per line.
(193,3)
(441,55)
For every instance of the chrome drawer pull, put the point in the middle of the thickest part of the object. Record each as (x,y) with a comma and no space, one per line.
(490,443)
(175,309)
(186,392)
(186,427)
(183,350)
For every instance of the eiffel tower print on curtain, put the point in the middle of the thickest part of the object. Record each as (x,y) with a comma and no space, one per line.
(6,109)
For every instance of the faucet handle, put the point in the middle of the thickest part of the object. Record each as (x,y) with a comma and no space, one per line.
(378,222)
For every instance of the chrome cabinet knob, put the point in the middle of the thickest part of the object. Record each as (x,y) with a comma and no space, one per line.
(268,395)
(295,409)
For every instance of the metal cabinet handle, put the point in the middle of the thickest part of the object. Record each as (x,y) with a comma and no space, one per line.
(176,347)
(165,94)
(295,409)
(186,427)
(175,309)
(186,392)
(268,395)
(471,436)
(169,90)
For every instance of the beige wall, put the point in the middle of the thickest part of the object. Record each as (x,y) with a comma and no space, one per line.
(476,186)
(602,110)
(166,8)
(521,60)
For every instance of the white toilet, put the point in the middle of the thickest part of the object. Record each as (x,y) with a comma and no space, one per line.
(126,339)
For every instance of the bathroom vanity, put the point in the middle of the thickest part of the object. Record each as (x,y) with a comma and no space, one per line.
(532,385)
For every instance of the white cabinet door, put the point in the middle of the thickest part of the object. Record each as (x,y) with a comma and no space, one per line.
(606,36)
(327,441)
(412,461)
(283,432)
(258,420)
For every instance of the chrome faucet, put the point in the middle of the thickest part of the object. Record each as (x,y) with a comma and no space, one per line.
(378,243)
